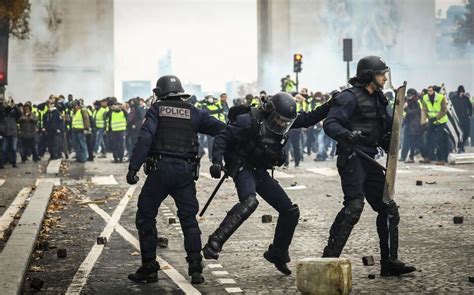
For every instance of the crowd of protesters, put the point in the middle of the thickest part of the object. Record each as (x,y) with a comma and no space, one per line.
(61,126)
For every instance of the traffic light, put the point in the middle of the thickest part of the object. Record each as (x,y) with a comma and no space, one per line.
(3,79)
(297,62)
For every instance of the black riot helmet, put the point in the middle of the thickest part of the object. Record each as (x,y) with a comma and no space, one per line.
(368,67)
(280,113)
(169,87)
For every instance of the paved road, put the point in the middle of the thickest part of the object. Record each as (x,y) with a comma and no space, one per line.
(442,251)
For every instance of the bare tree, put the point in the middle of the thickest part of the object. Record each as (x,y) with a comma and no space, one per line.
(14,18)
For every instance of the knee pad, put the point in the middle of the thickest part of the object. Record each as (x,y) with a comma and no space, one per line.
(353,210)
(246,207)
(293,213)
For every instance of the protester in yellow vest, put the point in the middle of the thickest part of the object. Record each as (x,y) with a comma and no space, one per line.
(80,125)
(434,114)
(100,120)
(117,125)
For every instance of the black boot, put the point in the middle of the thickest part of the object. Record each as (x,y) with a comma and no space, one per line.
(394,268)
(342,227)
(234,218)
(195,268)
(279,258)
(147,273)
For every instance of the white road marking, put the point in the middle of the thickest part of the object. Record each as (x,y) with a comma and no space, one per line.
(168,214)
(443,169)
(225,281)
(404,171)
(472,176)
(215,265)
(12,210)
(80,278)
(281,175)
(323,171)
(172,273)
(53,167)
(234,290)
(2,181)
(166,210)
(104,180)
(296,187)
(56,181)
(219,273)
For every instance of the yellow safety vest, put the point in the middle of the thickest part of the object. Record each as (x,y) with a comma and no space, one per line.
(255,102)
(77,120)
(118,121)
(216,111)
(290,86)
(99,117)
(301,106)
(435,108)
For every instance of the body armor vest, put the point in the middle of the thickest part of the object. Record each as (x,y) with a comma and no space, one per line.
(265,147)
(176,135)
(369,116)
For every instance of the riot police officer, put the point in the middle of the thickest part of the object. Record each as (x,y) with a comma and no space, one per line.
(168,142)
(359,118)
(251,144)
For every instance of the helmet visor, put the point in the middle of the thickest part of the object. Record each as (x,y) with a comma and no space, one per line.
(278,124)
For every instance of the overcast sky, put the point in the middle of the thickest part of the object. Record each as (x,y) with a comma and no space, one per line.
(212,41)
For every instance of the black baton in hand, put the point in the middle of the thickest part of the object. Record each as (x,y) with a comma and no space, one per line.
(213,194)
(369,159)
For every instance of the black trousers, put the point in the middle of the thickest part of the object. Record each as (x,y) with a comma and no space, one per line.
(28,148)
(176,178)
(250,182)
(117,142)
(54,145)
(361,180)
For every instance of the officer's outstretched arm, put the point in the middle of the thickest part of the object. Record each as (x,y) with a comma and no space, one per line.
(308,119)
(337,121)
(208,124)
(145,139)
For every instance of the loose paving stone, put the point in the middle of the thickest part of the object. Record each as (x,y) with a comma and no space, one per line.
(419,182)
(62,253)
(266,218)
(163,242)
(371,276)
(458,219)
(171,220)
(471,279)
(368,260)
(101,240)
(36,283)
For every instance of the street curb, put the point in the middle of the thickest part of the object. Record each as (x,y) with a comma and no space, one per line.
(15,258)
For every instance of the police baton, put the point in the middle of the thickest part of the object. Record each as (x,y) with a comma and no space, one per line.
(369,159)
(213,194)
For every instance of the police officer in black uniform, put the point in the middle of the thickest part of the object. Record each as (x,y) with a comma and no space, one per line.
(250,145)
(359,118)
(168,143)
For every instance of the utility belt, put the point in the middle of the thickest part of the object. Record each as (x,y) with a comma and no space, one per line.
(152,162)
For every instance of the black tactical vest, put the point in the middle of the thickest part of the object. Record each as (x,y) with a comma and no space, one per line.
(176,135)
(264,147)
(369,116)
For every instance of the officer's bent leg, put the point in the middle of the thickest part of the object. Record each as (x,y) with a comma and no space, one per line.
(245,184)
(149,200)
(352,179)
(269,189)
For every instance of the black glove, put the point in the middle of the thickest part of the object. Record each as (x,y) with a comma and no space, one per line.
(353,137)
(386,141)
(432,119)
(132,177)
(215,170)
